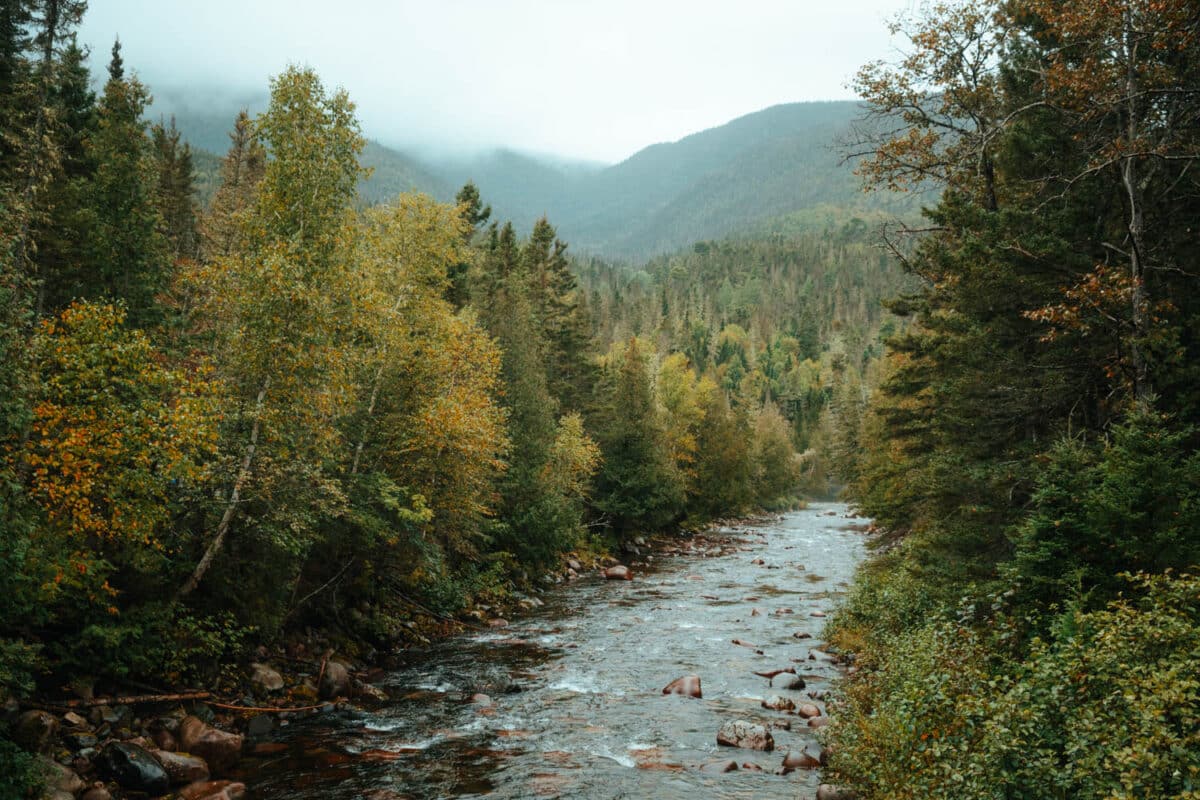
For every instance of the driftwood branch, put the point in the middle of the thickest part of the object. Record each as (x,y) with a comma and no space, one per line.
(131,700)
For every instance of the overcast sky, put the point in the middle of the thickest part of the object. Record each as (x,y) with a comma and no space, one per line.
(594,79)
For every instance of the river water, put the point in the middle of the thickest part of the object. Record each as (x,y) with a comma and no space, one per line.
(577,684)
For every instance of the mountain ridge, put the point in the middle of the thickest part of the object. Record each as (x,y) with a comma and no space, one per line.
(736,176)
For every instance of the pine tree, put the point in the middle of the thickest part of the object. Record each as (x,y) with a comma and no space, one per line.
(176,193)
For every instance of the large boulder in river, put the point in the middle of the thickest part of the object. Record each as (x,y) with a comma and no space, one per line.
(748,735)
(220,749)
(133,768)
(688,685)
(618,573)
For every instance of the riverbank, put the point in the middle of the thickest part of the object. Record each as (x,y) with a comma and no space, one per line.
(97,746)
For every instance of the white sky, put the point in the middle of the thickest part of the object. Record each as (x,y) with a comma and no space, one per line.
(595,79)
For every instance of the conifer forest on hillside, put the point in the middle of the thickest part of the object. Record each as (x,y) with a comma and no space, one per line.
(296,426)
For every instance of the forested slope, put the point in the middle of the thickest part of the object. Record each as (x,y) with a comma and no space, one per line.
(1029,625)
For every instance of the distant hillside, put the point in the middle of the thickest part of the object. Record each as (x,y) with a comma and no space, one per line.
(733,178)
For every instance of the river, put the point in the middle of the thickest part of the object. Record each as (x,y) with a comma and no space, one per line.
(578,709)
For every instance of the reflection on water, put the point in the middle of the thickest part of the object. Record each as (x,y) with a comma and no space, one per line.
(577,709)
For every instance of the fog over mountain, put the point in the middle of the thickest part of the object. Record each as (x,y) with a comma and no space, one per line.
(584,80)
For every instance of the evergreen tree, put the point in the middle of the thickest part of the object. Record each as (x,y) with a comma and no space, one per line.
(476,215)
(176,193)
(128,258)
(637,488)
(65,233)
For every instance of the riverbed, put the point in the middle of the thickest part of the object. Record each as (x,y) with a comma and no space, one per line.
(575,686)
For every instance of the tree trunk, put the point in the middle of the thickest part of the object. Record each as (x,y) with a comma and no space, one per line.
(223,527)
(381,354)
(1142,388)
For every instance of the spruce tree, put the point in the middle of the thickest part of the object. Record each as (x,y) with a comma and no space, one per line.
(637,488)
(128,258)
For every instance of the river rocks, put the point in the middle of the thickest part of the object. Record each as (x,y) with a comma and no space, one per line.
(808,710)
(264,679)
(181,767)
(482,700)
(575,565)
(808,758)
(369,692)
(164,739)
(720,767)
(133,768)
(213,790)
(818,722)
(828,791)
(748,735)
(789,681)
(35,730)
(688,685)
(335,682)
(801,635)
(73,720)
(220,749)
(81,740)
(777,703)
(618,573)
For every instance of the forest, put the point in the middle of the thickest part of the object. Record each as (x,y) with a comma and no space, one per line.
(246,402)
(287,408)
(1029,625)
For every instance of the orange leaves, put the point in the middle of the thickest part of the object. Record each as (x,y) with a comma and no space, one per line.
(1101,297)
(112,429)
